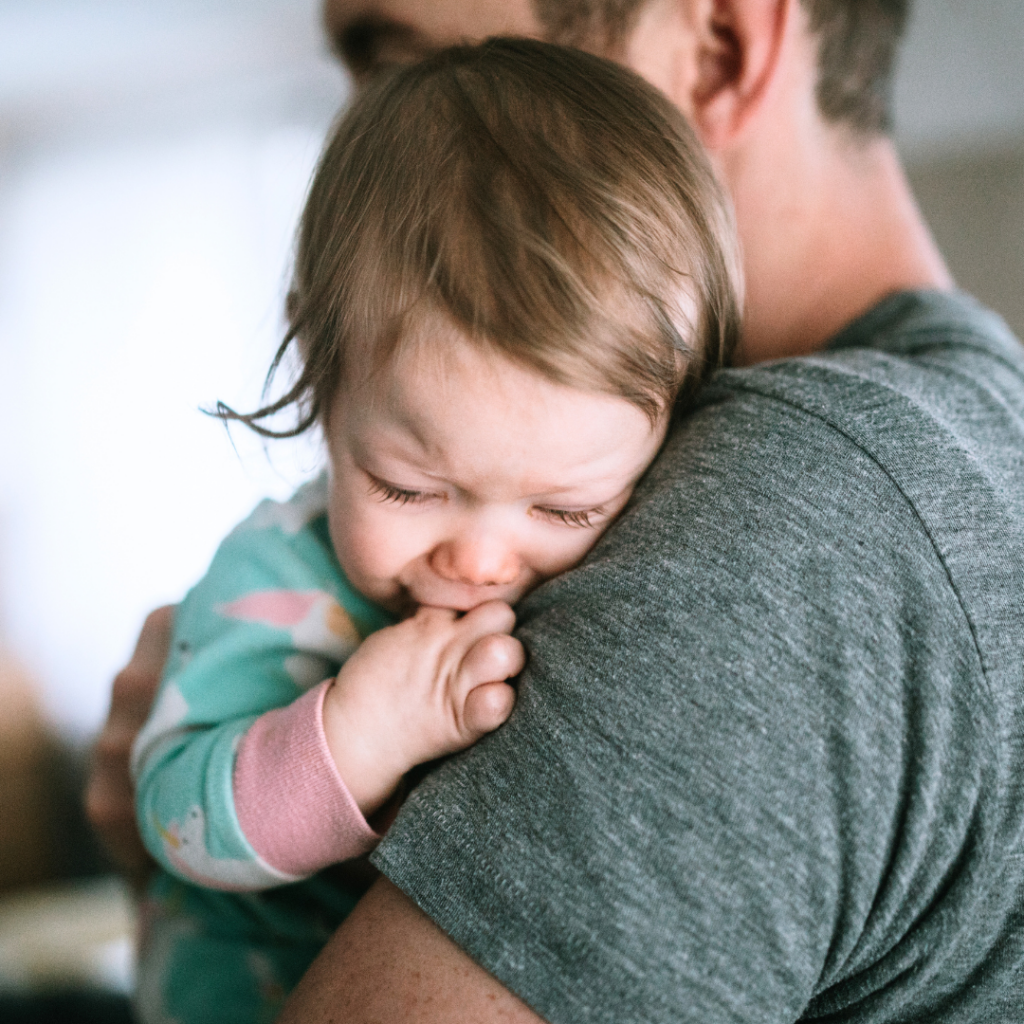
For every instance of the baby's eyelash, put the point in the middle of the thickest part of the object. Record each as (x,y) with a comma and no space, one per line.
(582,518)
(394,495)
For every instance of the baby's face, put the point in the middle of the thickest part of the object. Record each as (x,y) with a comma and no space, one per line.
(458,477)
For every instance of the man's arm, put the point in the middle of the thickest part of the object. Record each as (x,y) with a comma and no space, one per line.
(390,962)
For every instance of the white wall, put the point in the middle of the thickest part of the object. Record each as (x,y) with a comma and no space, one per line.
(150,179)
(960,126)
(975,205)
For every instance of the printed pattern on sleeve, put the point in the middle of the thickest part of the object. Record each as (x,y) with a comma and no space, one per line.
(273,617)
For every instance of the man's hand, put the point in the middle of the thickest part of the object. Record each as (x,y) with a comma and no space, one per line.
(427,687)
(109,795)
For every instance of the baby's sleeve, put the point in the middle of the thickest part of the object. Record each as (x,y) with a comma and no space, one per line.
(235,786)
(292,805)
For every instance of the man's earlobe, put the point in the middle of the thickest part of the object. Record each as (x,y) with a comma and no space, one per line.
(738,56)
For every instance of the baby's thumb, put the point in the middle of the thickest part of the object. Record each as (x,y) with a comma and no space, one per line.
(487,706)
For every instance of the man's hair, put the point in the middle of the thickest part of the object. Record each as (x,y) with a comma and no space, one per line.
(857,44)
(552,205)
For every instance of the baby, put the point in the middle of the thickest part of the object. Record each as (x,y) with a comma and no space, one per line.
(513,264)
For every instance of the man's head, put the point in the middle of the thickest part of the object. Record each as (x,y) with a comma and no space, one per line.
(791,100)
(856,40)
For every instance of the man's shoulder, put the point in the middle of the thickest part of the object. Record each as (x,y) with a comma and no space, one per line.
(815,520)
(933,360)
(904,439)
(931,349)
(926,387)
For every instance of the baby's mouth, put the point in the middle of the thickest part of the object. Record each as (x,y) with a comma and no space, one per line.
(462,597)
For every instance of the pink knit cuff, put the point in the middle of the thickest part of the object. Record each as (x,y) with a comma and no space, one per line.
(292,804)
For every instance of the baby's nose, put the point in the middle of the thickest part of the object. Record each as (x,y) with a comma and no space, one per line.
(479,562)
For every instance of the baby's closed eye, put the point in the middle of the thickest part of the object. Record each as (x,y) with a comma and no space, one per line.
(570,517)
(398,495)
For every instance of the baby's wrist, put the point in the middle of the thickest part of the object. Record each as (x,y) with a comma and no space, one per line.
(360,758)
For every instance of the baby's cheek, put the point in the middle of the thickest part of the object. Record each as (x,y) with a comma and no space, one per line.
(569,551)
(374,555)
(361,558)
(354,539)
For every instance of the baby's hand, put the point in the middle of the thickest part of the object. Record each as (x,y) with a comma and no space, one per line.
(430,686)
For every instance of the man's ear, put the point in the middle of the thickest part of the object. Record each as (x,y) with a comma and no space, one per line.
(717,59)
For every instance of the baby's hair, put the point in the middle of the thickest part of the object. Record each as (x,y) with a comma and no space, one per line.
(552,205)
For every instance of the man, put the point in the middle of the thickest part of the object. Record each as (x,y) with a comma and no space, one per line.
(765,761)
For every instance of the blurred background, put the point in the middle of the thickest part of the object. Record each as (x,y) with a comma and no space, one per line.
(154,156)
(153,159)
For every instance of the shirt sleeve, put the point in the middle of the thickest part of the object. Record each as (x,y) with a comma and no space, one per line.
(744,720)
(236,789)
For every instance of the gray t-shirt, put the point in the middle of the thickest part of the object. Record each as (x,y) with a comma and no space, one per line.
(767,762)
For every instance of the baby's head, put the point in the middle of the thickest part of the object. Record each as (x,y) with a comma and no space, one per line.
(514,263)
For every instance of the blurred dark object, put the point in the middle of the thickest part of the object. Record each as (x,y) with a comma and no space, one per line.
(43,832)
(66,1008)
(28,783)
(65,932)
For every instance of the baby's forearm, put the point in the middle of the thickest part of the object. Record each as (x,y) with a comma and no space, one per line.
(372,770)
(249,805)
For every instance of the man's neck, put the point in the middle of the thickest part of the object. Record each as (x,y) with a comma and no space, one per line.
(829,231)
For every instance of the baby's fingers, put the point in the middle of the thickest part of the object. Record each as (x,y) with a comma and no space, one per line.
(492,658)
(482,701)
(490,617)
(486,707)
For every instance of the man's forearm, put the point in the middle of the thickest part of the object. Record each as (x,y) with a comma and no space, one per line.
(390,962)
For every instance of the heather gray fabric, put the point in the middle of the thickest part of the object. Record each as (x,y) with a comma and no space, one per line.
(768,758)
